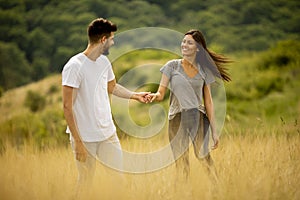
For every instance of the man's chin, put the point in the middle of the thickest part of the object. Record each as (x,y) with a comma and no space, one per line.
(106,52)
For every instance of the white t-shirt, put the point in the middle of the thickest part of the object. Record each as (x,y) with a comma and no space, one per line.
(91,101)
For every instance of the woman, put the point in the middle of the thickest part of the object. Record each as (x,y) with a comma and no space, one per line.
(190,79)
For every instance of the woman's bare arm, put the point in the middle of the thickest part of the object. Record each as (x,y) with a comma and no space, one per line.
(209,106)
(160,94)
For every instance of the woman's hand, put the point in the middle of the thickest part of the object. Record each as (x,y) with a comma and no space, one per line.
(215,138)
(153,96)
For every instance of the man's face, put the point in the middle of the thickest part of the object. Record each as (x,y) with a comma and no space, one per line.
(108,43)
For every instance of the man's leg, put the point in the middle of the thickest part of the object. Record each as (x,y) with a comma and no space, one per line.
(109,152)
(85,169)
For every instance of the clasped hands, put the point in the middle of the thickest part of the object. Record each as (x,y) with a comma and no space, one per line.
(145,97)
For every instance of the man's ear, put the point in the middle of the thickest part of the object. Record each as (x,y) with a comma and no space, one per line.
(103,39)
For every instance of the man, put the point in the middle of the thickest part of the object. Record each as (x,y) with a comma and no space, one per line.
(87,80)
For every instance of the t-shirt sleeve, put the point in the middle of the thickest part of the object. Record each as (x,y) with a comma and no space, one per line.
(167,69)
(71,75)
(110,73)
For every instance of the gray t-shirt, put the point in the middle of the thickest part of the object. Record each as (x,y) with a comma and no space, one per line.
(185,92)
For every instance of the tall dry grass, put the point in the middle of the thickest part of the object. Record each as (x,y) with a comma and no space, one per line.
(250,165)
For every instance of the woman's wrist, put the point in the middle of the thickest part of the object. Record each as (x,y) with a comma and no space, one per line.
(158,96)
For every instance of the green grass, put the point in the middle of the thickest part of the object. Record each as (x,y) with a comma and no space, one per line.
(264,90)
(258,156)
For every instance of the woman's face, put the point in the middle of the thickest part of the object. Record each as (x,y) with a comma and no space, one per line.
(188,46)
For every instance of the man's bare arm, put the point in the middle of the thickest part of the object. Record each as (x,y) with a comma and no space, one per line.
(80,150)
(120,91)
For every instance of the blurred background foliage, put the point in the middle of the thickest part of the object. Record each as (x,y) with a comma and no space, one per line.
(37,37)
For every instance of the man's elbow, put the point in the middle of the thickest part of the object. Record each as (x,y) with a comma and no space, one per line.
(111,87)
(67,108)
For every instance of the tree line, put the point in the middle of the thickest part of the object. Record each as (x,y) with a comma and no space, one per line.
(38,36)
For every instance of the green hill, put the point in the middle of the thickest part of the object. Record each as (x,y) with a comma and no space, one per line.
(265,86)
(264,92)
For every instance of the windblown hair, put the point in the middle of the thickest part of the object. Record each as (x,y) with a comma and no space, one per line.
(100,27)
(219,59)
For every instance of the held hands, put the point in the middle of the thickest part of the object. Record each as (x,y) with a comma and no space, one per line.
(141,97)
(152,97)
(144,97)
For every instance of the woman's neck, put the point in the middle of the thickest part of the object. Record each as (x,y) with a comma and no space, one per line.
(190,59)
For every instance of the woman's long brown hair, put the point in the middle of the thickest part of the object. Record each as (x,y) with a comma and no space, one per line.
(219,59)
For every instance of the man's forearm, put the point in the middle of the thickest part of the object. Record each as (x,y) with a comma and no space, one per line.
(122,92)
(68,111)
(72,125)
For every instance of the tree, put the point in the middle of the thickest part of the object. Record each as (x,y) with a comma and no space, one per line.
(14,68)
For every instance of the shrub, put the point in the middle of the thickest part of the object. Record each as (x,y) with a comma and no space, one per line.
(35,101)
(281,55)
(42,129)
(269,81)
(53,89)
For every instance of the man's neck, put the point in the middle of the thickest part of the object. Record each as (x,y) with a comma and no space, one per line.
(93,52)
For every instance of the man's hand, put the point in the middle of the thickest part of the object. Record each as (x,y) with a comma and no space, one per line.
(142,97)
(80,151)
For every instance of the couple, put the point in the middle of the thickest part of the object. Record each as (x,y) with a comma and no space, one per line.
(88,79)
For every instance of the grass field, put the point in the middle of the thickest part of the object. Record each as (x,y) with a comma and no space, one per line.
(258,157)
(250,165)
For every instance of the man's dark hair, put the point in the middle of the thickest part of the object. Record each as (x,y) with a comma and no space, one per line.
(100,27)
